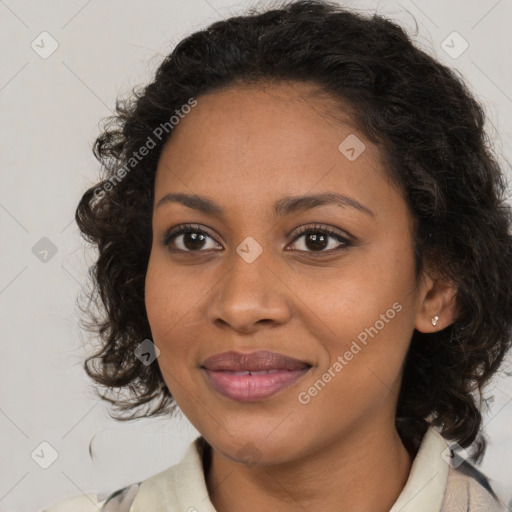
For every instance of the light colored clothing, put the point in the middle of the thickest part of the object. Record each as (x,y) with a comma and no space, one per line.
(433,485)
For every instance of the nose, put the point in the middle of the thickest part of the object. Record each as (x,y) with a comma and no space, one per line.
(249,297)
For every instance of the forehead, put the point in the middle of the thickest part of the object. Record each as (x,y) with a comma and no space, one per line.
(242,118)
(254,142)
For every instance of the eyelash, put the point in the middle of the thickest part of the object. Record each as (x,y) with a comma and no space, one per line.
(302,231)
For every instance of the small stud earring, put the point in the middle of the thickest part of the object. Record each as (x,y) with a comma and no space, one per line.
(435,320)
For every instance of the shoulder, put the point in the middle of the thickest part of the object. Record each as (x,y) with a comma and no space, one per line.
(117,501)
(442,480)
(468,489)
(82,503)
(158,493)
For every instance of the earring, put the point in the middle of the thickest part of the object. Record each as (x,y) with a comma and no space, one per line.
(434,320)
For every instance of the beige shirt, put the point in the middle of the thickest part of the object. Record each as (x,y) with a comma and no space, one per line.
(434,485)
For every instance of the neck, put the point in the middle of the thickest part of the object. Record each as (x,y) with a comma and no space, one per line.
(364,471)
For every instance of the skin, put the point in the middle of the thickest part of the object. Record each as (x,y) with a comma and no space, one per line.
(246,147)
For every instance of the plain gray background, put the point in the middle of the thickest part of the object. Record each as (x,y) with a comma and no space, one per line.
(50,109)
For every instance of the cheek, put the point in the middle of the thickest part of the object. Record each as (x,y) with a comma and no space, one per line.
(168,300)
(167,303)
(364,314)
(175,299)
(364,328)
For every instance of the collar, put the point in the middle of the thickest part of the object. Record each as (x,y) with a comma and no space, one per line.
(180,488)
(425,488)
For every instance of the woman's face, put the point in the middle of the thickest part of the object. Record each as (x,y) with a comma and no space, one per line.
(342,305)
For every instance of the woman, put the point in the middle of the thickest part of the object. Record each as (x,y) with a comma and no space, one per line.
(303,245)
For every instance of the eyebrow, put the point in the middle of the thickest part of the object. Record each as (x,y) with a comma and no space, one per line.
(284,206)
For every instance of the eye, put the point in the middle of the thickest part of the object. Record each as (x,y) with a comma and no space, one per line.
(188,238)
(321,239)
(317,239)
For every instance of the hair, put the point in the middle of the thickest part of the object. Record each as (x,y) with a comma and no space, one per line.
(430,130)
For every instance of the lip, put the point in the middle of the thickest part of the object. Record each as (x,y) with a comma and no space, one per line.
(253,376)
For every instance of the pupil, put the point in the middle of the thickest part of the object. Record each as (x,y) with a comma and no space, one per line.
(318,241)
(196,241)
(193,240)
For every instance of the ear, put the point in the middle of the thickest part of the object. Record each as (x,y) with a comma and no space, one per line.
(437,298)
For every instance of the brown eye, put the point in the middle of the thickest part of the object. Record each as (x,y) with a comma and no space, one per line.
(188,238)
(321,239)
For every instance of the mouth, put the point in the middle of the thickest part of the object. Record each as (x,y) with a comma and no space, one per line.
(254,376)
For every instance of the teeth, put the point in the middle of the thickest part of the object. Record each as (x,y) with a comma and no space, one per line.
(259,372)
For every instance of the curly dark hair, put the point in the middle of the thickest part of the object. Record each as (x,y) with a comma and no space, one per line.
(431,132)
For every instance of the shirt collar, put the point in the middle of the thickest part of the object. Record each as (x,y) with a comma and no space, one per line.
(425,488)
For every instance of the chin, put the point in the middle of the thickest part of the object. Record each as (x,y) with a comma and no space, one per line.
(253,447)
